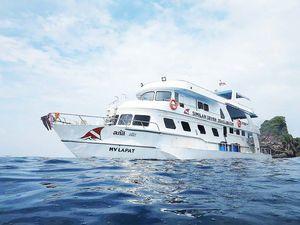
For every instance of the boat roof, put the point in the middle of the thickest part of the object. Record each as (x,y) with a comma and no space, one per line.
(228,94)
(195,91)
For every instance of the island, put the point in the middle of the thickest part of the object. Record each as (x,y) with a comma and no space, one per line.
(275,139)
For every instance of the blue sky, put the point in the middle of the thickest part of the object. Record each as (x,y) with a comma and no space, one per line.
(75,56)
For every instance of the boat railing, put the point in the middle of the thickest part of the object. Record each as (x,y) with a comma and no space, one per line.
(77,119)
(82,119)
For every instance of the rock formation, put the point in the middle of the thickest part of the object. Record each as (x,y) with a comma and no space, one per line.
(276,139)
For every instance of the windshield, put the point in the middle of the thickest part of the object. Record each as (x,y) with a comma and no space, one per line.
(163,96)
(148,96)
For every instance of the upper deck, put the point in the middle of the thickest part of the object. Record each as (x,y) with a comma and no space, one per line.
(190,94)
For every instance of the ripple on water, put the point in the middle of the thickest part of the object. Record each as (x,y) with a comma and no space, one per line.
(74,191)
(57,161)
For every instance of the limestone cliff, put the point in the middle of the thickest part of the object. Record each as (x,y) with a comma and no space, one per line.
(276,139)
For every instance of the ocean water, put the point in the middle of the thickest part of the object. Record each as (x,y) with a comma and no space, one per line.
(95,191)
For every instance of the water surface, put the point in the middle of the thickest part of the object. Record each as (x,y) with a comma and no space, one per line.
(95,191)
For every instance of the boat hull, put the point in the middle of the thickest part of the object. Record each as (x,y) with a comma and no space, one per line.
(84,142)
(119,151)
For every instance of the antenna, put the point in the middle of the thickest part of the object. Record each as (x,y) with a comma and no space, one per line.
(222,83)
(116,100)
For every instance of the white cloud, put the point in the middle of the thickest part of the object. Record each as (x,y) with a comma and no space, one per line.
(91,57)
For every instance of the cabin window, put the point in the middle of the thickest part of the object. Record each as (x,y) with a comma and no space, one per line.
(243,133)
(238,132)
(148,96)
(231,130)
(176,97)
(115,119)
(201,128)
(250,135)
(185,126)
(181,105)
(240,96)
(205,107)
(169,123)
(200,105)
(215,132)
(227,95)
(141,120)
(222,114)
(163,96)
(125,119)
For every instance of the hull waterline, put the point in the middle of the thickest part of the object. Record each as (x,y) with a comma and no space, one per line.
(119,151)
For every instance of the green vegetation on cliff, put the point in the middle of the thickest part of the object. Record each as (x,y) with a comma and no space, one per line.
(276,126)
(276,138)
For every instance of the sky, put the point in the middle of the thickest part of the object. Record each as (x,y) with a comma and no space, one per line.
(75,56)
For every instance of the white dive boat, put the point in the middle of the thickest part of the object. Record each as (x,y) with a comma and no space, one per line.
(169,120)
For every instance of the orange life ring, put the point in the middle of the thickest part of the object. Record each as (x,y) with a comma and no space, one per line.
(173,104)
(239,123)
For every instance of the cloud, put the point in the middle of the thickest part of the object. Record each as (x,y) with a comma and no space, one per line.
(77,56)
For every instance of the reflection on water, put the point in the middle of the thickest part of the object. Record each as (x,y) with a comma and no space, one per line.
(95,191)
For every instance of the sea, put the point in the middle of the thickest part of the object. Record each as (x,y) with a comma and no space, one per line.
(128,192)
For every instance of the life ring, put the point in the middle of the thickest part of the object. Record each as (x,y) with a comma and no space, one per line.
(173,104)
(239,123)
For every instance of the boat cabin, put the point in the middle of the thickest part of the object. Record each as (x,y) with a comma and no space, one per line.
(216,117)
(223,105)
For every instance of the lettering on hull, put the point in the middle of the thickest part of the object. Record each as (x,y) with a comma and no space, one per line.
(118,149)
(120,133)
(210,118)
(132,134)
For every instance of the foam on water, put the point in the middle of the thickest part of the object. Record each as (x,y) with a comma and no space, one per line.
(95,191)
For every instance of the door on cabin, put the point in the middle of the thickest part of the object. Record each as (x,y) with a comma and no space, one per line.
(225,132)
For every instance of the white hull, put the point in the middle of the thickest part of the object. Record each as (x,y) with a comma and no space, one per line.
(153,146)
(99,150)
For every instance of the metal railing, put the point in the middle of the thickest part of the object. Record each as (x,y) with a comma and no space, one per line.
(82,119)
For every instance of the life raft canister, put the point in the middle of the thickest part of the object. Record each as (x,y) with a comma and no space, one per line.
(173,104)
(239,123)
